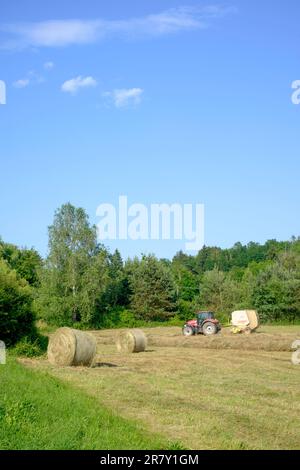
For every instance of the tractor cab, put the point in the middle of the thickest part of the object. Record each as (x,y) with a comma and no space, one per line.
(204,316)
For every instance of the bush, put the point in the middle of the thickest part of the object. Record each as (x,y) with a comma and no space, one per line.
(119,318)
(176,321)
(186,310)
(16,315)
(30,347)
(224,318)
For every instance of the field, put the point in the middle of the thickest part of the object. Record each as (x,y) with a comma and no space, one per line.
(221,393)
(38,411)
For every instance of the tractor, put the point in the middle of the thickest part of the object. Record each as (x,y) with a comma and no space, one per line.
(205,324)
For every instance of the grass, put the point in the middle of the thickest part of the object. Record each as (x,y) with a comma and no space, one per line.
(267,338)
(186,396)
(203,398)
(38,411)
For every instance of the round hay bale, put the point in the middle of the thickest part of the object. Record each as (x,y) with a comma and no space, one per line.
(295,345)
(131,341)
(68,347)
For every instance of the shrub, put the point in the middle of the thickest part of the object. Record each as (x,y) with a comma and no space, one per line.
(186,310)
(119,318)
(16,315)
(31,346)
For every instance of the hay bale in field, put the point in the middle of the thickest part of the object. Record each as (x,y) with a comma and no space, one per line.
(295,345)
(131,341)
(68,347)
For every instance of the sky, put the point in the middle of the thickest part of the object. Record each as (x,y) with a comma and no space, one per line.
(162,101)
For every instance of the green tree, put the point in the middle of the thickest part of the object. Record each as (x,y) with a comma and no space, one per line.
(117,292)
(153,290)
(75,274)
(26,262)
(16,314)
(211,290)
(276,294)
(187,283)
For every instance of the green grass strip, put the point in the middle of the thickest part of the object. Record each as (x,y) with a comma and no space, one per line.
(38,411)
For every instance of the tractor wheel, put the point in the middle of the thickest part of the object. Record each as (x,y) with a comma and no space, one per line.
(188,331)
(210,329)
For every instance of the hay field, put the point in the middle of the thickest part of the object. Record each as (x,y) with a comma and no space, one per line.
(205,393)
(267,338)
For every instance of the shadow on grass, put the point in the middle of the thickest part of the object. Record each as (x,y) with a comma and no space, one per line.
(103,364)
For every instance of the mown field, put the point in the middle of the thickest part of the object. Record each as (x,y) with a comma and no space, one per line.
(38,411)
(196,394)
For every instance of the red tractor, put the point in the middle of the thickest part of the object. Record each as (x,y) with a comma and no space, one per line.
(205,324)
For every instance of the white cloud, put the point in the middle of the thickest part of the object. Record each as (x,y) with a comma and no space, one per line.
(73,85)
(48,65)
(57,33)
(125,96)
(22,83)
(32,77)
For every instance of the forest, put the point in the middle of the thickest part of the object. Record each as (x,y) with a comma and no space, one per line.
(82,284)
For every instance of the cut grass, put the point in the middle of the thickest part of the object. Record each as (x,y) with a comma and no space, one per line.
(38,411)
(206,399)
(267,338)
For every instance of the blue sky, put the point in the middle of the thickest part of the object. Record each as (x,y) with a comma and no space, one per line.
(162,101)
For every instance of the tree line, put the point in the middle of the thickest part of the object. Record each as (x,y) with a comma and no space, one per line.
(81,283)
